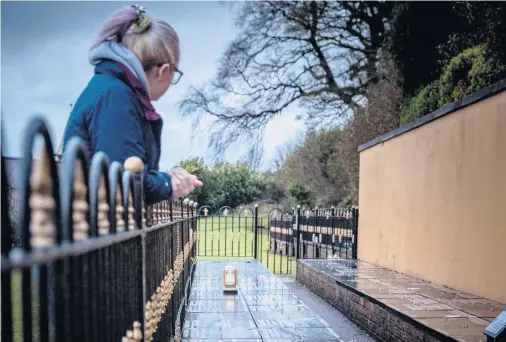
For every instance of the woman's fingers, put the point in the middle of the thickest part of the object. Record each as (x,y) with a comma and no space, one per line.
(176,183)
(183,183)
(177,186)
(195,181)
(188,181)
(184,177)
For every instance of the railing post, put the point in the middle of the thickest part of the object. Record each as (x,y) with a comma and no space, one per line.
(6,237)
(333,231)
(188,220)
(173,253)
(355,232)
(135,165)
(180,230)
(195,230)
(299,234)
(256,233)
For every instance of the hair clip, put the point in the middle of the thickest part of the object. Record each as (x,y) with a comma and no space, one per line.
(140,9)
(143,21)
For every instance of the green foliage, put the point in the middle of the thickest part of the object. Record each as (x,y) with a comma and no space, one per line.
(270,187)
(423,50)
(468,72)
(422,103)
(230,184)
(194,166)
(300,193)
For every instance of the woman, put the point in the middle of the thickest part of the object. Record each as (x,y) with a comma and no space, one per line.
(136,60)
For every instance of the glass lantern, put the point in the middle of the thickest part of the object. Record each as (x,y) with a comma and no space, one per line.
(230,280)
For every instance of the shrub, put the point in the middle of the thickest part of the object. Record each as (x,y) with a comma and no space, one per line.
(299,193)
(422,103)
(468,72)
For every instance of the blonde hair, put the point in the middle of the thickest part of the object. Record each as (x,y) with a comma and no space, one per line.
(157,44)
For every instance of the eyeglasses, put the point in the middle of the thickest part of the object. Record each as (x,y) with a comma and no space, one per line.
(177,75)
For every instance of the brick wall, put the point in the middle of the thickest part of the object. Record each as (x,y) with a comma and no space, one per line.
(381,322)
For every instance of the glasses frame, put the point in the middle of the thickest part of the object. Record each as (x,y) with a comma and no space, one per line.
(177,73)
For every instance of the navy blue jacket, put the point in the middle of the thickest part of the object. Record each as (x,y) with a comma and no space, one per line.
(109,117)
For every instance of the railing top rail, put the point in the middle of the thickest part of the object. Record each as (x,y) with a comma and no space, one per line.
(86,205)
(93,260)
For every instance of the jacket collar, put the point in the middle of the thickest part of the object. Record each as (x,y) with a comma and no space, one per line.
(123,73)
(117,52)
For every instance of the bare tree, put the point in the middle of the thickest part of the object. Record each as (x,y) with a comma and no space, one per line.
(318,55)
(316,164)
(326,162)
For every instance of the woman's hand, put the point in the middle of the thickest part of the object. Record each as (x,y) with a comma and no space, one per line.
(183,183)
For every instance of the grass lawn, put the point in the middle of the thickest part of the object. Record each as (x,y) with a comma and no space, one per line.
(227,237)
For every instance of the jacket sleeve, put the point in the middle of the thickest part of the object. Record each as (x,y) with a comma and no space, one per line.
(118,133)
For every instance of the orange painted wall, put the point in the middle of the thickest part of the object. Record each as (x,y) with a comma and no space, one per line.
(433,201)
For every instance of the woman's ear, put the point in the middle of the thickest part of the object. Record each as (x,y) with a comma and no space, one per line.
(164,70)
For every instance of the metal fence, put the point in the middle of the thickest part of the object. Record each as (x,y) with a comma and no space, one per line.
(278,239)
(326,233)
(95,263)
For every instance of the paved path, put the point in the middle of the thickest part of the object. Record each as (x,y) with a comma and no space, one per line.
(346,329)
(265,309)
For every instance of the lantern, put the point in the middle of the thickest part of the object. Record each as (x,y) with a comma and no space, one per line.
(230,279)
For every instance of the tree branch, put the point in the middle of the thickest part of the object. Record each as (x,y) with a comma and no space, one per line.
(317,55)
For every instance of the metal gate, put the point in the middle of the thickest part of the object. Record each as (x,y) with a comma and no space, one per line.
(226,233)
(277,242)
(243,233)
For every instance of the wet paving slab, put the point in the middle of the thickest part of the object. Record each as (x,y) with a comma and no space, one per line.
(264,309)
(459,315)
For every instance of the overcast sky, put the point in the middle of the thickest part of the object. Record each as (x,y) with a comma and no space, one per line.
(45,67)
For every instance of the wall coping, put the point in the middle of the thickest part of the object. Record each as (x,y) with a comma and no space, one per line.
(438,113)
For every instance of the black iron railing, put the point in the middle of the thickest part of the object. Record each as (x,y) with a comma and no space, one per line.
(95,263)
(326,233)
(278,239)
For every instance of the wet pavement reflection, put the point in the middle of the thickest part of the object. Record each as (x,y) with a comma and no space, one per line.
(264,309)
(457,314)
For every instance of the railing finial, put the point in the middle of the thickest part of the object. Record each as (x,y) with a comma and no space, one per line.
(134,164)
